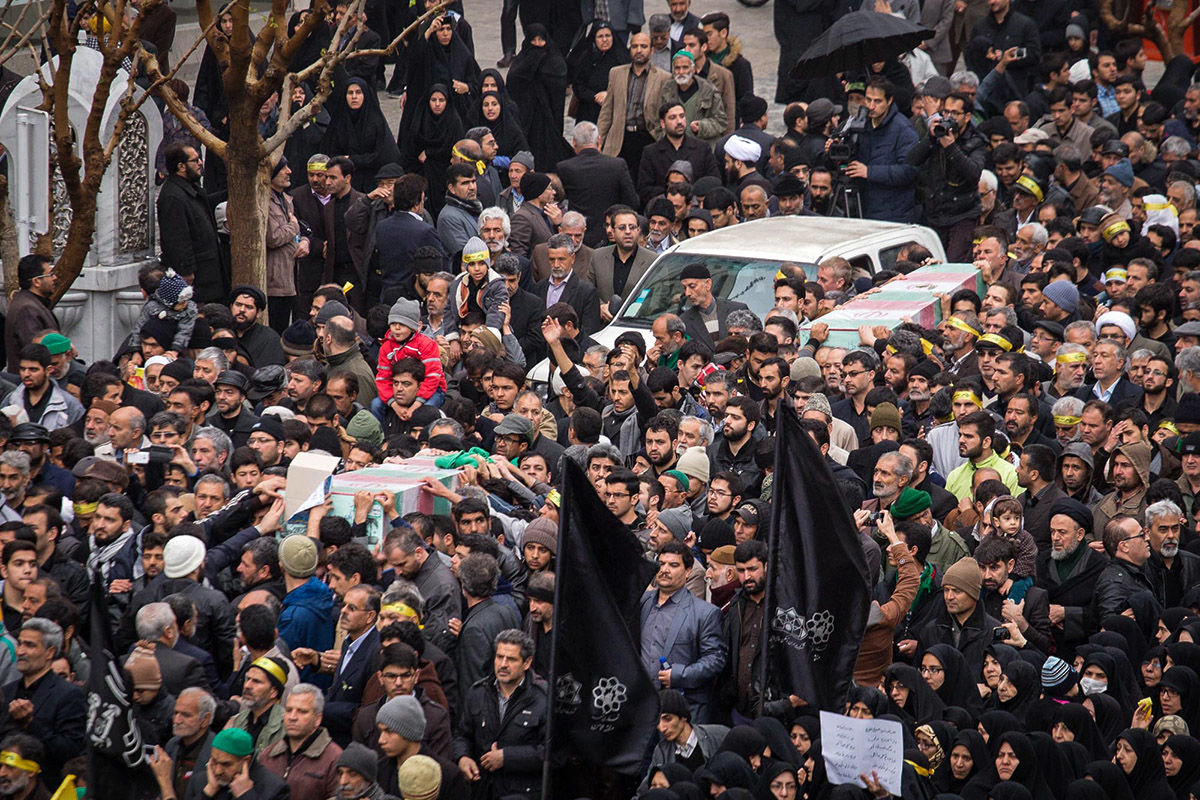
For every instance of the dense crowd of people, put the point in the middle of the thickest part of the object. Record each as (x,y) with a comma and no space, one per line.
(1023,476)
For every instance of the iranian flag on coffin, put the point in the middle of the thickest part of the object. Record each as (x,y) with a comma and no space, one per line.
(403,479)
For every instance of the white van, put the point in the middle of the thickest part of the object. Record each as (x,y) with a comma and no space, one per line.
(743,260)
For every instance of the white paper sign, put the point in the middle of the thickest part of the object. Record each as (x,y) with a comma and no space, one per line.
(854,747)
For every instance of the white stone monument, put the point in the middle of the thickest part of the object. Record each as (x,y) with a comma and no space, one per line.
(104,301)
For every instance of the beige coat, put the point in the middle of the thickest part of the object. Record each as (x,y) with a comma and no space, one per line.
(282,229)
(612,113)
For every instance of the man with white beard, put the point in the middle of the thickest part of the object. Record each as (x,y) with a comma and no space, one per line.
(1068,572)
(1180,569)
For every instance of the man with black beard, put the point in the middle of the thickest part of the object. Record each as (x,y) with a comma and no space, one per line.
(820,191)
(261,343)
(21,758)
(741,623)
(773,378)
(1180,570)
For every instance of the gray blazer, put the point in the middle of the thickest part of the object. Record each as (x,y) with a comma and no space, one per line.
(602,269)
(695,647)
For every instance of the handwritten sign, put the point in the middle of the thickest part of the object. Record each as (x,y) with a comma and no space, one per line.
(854,747)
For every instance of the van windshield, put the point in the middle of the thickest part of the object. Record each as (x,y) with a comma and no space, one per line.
(751,282)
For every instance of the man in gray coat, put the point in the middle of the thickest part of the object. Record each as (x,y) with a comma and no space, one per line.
(458,220)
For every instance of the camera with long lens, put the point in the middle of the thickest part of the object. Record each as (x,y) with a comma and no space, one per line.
(946,126)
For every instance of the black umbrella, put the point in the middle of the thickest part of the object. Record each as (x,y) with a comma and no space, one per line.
(857,40)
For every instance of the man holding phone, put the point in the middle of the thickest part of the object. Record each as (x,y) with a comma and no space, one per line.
(1005,36)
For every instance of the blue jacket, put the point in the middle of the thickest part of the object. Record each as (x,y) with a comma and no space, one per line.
(695,647)
(397,237)
(887,193)
(306,619)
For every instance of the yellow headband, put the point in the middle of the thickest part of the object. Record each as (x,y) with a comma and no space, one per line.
(926,346)
(11,759)
(471,258)
(86,508)
(1071,358)
(1116,274)
(969,396)
(1160,207)
(479,165)
(271,668)
(317,166)
(1030,185)
(1113,229)
(1065,420)
(924,772)
(1166,423)
(996,339)
(955,322)
(403,609)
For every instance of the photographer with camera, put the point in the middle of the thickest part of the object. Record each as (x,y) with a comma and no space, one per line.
(879,166)
(1008,36)
(950,159)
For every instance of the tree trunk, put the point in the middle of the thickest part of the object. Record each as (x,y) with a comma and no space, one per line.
(246,216)
(10,251)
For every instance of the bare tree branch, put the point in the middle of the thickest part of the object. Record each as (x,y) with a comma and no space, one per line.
(391,48)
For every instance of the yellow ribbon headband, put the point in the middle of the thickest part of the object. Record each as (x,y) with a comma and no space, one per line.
(996,339)
(1030,185)
(12,759)
(403,609)
(86,508)
(1071,358)
(479,165)
(271,668)
(1166,423)
(955,322)
(1065,421)
(969,397)
(1113,229)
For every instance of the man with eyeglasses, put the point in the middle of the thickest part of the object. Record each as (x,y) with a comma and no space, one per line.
(398,674)
(29,311)
(1158,395)
(192,249)
(1128,548)
(951,165)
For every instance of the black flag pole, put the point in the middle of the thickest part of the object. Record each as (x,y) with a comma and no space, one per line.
(603,701)
(818,592)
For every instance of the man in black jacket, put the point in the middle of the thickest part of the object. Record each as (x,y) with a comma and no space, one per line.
(676,144)
(1000,31)
(961,621)
(192,248)
(528,310)
(1177,569)
(593,181)
(707,317)
(504,751)
(1030,616)
(41,702)
(950,168)
(314,209)
(1128,548)
(484,618)
(1068,571)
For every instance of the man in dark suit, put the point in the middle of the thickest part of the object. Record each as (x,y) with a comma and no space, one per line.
(400,235)
(314,209)
(705,318)
(156,623)
(617,268)
(1112,385)
(527,309)
(358,662)
(191,743)
(565,286)
(41,702)
(593,181)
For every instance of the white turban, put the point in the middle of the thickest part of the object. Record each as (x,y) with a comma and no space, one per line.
(739,148)
(1119,319)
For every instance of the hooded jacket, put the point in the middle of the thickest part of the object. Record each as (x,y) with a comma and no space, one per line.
(1088,495)
(888,188)
(1139,454)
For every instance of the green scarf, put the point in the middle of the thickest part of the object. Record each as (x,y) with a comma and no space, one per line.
(925,588)
(463,458)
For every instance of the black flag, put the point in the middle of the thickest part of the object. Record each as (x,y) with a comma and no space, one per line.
(818,594)
(605,705)
(117,760)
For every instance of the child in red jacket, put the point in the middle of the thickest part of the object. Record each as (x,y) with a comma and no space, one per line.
(404,341)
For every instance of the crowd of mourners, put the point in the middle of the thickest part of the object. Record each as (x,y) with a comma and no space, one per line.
(1023,477)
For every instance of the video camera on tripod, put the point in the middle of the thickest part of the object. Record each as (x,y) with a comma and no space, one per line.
(843,145)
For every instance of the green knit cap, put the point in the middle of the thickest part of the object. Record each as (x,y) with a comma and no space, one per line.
(234,741)
(910,503)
